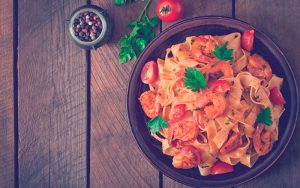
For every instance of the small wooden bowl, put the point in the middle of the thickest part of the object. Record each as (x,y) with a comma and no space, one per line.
(214,26)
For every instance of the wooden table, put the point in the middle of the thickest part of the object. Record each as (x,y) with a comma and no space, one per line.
(62,109)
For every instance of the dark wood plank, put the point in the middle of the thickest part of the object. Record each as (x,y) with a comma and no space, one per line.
(281,21)
(6,95)
(200,8)
(116,160)
(52,97)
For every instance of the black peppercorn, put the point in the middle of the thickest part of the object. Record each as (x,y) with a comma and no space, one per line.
(86,27)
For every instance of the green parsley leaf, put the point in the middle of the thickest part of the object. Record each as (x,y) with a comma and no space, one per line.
(196,109)
(125,42)
(223,53)
(126,54)
(123,2)
(193,79)
(152,22)
(138,38)
(265,117)
(120,2)
(140,44)
(156,123)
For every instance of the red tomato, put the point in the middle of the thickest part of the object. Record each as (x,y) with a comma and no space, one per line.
(276,97)
(150,104)
(177,113)
(247,40)
(169,10)
(220,86)
(221,168)
(149,72)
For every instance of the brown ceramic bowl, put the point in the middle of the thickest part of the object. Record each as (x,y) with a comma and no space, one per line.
(214,26)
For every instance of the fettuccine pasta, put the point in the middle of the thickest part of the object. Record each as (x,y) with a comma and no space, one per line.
(233,118)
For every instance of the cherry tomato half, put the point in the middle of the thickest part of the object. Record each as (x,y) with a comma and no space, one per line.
(221,168)
(220,86)
(247,40)
(177,113)
(276,97)
(149,72)
(169,10)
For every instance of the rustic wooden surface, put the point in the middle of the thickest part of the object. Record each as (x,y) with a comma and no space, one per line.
(52,97)
(115,157)
(53,108)
(281,21)
(6,95)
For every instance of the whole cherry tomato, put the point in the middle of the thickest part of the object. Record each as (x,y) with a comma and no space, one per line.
(169,10)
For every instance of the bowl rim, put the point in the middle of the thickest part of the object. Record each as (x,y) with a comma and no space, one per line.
(271,159)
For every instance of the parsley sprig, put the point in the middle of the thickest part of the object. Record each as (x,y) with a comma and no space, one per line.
(138,38)
(193,79)
(223,53)
(123,2)
(265,116)
(156,124)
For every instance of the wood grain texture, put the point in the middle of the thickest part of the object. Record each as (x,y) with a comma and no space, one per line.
(116,160)
(6,96)
(199,8)
(281,22)
(52,97)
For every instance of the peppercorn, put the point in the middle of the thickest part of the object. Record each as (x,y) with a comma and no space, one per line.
(87,26)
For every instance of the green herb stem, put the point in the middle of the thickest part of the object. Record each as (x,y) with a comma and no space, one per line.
(144,11)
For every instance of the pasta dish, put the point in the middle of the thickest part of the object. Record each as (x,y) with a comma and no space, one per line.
(213,103)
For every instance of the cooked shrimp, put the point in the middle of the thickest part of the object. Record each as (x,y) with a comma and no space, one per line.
(221,67)
(213,104)
(232,143)
(259,67)
(200,119)
(202,49)
(183,131)
(188,157)
(150,104)
(177,87)
(262,140)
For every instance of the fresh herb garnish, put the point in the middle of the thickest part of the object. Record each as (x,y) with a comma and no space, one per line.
(223,53)
(123,2)
(265,117)
(193,79)
(196,109)
(156,123)
(138,38)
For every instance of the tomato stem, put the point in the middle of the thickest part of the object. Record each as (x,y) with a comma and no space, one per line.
(144,10)
(165,10)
